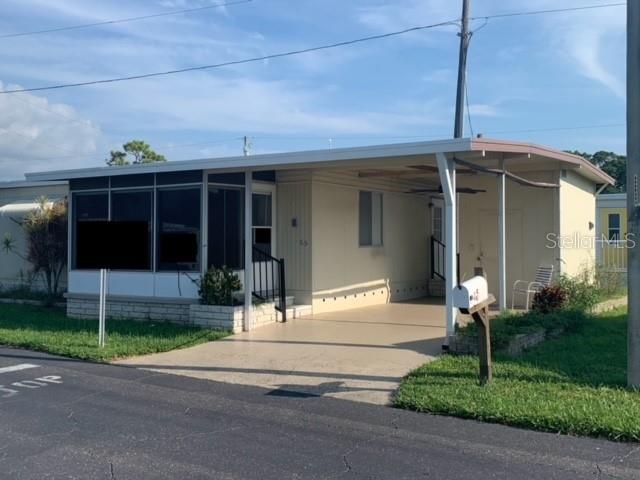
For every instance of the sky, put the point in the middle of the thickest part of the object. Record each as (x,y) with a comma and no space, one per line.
(555,79)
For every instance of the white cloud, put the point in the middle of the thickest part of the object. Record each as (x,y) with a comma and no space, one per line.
(483,110)
(37,135)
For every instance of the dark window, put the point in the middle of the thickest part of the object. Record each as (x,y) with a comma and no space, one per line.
(226,227)
(236,178)
(266,176)
(178,229)
(370,219)
(262,239)
(261,210)
(135,208)
(87,208)
(137,180)
(92,183)
(177,178)
(614,226)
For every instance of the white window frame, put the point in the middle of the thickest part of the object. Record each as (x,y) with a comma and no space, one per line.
(267,189)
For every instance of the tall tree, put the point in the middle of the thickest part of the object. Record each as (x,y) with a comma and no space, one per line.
(612,164)
(134,152)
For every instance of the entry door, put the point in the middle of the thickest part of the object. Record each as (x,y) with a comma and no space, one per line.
(263,237)
(263,224)
(488,246)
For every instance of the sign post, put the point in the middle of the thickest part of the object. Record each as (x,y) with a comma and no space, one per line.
(473,298)
(102,308)
(480,315)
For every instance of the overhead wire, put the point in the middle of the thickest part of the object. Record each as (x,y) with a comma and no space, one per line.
(234,62)
(121,20)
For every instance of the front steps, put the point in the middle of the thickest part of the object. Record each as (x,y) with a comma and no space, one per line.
(296,311)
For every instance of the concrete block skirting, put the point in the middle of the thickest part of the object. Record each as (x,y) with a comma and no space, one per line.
(185,312)
(468,345)
(231,318)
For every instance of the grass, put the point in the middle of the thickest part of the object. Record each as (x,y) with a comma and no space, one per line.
(574,384)
(51,331)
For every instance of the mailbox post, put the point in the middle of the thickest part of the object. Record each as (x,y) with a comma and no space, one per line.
(472,298)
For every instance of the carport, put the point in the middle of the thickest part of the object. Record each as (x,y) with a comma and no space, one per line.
(360,354)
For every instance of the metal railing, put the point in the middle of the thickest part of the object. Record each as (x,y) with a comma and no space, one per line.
(269,280)
(438,251)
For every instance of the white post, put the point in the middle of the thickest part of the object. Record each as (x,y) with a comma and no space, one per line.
(447,171)
(248,249)
(502,239)
(102,307)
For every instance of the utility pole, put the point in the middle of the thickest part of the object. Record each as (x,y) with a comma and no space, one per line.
(465,36)
(246,148)
(633,191)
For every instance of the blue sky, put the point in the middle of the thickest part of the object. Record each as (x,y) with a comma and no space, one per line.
(526,74)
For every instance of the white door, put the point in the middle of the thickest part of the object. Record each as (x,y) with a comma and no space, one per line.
(263,237)
(488,246)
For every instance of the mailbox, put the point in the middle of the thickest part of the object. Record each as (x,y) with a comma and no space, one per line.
(470,293)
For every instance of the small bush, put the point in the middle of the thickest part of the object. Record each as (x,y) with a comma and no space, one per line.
(218,285)
(549,299)
(582,293)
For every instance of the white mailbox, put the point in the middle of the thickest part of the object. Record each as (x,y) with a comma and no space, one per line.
(470,293)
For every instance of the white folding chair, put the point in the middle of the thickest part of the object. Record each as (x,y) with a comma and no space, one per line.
(544,275)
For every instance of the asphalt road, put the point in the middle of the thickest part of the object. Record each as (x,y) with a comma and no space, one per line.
(63,419)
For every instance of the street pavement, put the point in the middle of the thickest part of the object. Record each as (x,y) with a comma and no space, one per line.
(65,419)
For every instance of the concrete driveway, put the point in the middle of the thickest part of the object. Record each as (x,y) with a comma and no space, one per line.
(357,355)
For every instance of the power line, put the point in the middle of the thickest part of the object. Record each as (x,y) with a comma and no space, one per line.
(235,62)
(122,20)
(554,10)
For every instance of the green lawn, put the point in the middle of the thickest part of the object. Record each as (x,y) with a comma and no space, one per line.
(49,330)
(573,384)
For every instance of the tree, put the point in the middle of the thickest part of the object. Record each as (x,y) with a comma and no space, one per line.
(139,151)
(612,164)
(46,234)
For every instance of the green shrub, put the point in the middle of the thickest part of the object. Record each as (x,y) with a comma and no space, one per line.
(549,299)
(218,285)
(582,293)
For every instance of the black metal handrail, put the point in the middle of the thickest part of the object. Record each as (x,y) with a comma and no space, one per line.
(269,281)
(438,251)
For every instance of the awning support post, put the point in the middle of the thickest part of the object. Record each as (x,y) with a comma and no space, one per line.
(248,250)
(447,172)
(502,239)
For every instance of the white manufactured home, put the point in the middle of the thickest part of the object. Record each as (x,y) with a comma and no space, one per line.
(354,227)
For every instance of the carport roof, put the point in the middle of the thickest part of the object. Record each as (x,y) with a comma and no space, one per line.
(377,156)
